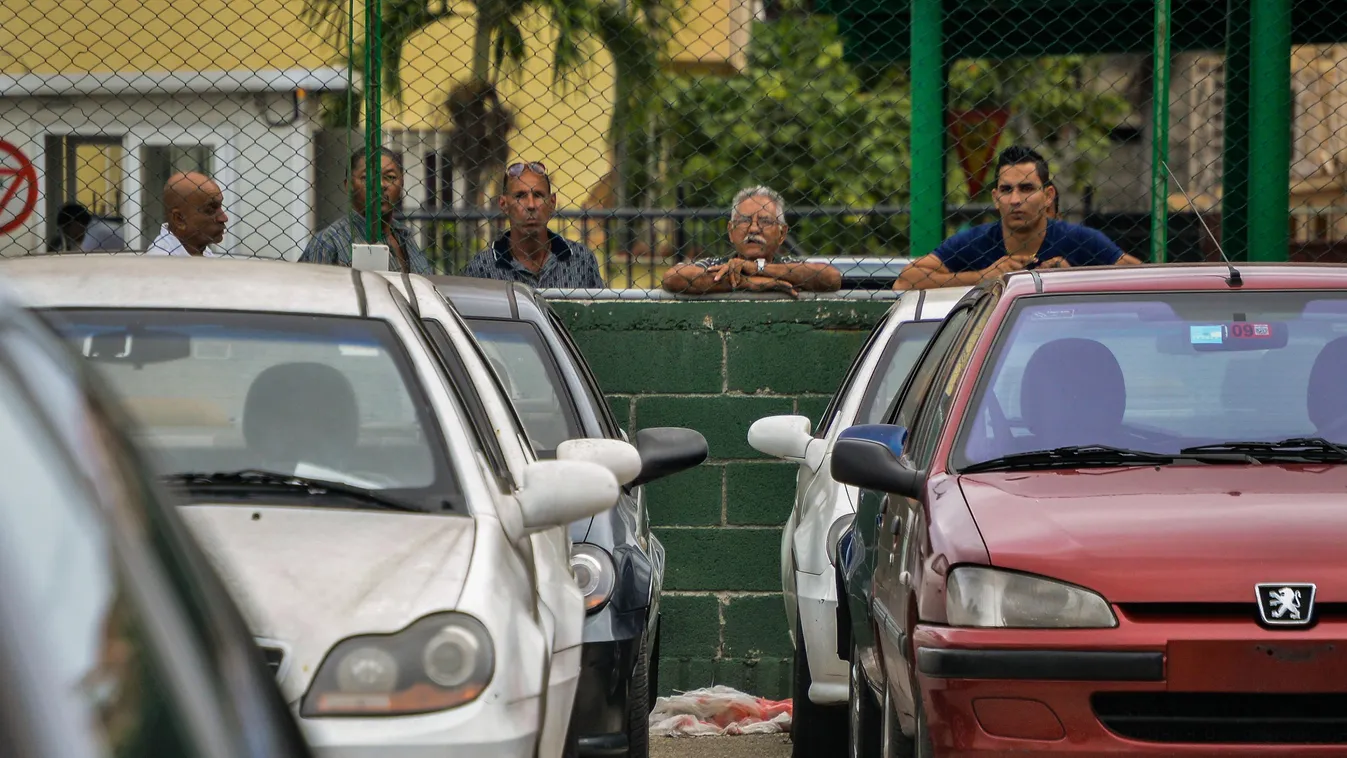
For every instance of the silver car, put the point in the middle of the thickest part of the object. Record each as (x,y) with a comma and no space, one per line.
(824,509)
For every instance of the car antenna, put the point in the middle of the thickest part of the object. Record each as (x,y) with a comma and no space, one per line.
(1234,280)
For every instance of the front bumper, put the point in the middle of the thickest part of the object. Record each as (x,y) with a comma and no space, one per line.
(479,729)
(599,719)
(817,599)
(1164,689)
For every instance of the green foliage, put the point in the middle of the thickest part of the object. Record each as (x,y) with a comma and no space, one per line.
(806,123)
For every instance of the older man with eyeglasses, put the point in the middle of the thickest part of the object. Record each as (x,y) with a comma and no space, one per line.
(757,231)
(530,252)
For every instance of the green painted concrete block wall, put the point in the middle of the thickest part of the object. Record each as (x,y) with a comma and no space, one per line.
(718,366)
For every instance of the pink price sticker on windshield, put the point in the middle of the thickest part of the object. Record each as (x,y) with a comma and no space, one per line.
(1247,330)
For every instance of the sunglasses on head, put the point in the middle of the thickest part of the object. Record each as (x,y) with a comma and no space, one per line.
(515,170)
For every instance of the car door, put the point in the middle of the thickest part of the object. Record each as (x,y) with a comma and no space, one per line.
(874,519)
(902,537)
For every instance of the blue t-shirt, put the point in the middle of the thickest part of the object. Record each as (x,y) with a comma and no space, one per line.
(981,246)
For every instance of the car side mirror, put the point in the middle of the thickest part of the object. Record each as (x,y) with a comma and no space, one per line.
(556,493)
(617,456)
(785,437)
(869,456)
(666,450)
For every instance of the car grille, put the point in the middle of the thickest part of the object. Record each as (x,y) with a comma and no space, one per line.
(1169,612)
(274,656)
(1237,718)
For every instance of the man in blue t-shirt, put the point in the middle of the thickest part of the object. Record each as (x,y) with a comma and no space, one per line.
(1027,236)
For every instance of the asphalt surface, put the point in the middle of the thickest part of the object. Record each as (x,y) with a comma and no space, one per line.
(742,746)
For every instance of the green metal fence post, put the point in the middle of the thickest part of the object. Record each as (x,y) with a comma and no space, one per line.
(1160,136)
(927,140)
(1270,130)
(373,120)
(1235,149)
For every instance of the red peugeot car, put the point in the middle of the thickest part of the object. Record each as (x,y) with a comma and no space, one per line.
(1113,520)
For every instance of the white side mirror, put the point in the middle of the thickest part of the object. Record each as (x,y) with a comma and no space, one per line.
(621,458)
(781,436)
(555,493)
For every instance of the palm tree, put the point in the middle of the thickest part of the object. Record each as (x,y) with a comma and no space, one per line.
(633,31)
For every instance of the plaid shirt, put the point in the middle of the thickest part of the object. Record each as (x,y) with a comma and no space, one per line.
(722,260)
(569,265)
(333,245)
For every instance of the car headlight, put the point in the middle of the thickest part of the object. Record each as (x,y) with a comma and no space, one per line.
(986,597)
(438,662)
(594,573)
(835,535)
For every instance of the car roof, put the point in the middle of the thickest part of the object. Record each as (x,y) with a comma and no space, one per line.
(1177,276)
(120,281)
(489,298)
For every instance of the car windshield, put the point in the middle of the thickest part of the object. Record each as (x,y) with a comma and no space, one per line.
(900,355)
(530,377)
(1160,373)
(326,398)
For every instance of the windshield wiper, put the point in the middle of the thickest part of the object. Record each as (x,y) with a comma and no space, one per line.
(1083,456)
(256,479)
(1312,449)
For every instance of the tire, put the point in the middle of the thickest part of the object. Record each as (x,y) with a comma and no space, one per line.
(638,706)
(865,718)
(893,743)
(653,676)
(815,730)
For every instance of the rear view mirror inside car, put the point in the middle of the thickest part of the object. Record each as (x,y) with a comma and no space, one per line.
(136,346)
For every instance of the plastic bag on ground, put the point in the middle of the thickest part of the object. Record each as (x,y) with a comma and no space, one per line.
(717,711)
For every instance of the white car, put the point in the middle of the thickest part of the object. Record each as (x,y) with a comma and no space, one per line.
(377,513)
(824,509)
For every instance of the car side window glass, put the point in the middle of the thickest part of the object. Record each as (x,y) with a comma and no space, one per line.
(935,410)
(58,557)
(825,423)
(915,391)
(610,425)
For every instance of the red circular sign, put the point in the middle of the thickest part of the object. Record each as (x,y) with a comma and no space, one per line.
(18,188)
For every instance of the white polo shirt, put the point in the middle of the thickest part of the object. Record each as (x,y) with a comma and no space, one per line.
(167,244)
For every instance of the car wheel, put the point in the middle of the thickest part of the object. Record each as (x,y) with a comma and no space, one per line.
(638,706)
(653,676)
(864,717)
(893,743)
(815,730)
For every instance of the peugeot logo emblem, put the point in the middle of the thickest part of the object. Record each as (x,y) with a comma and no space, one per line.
(1286,604)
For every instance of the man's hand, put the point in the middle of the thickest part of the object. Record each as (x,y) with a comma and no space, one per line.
(1058,262)
(768,284)
(736,268)
(1006,265)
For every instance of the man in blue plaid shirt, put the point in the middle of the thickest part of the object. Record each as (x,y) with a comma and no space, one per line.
(333,244)
(529,252)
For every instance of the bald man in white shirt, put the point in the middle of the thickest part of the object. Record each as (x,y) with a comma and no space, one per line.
(194,207)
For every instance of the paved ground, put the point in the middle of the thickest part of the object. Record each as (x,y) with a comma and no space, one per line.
(743,746)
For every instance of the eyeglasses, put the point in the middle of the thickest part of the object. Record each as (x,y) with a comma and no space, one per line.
(763,221)
(515,170)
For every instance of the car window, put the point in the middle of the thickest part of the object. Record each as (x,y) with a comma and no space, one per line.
(471,399)
(930,421)
(612,429)
(825,422)
(324,397)
(917,385)
(1162,372)
(59,559)
(532,381)
(900,356)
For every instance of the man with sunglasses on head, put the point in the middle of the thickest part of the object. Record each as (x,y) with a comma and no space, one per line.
(757,231)
(1029,234)
(333,244)
(529,252)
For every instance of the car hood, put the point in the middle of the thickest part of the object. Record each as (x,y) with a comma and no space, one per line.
(310,577)
(1169,534)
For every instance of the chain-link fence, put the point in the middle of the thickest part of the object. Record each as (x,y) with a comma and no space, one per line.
(879,122)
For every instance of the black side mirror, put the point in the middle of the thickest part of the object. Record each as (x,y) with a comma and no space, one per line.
(667,450)
(870,464)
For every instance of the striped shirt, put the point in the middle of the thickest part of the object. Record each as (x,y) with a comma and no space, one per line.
(333,245)
(569,265)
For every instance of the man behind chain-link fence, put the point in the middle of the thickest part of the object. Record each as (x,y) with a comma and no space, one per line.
(757,231)
(194,207)
(333,244)
(1028,235)
(530,252)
